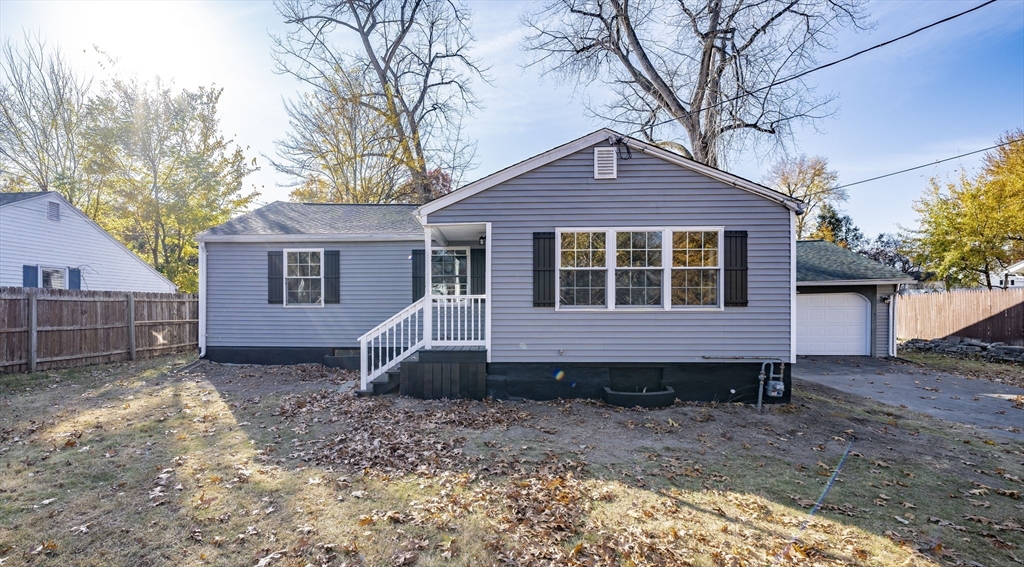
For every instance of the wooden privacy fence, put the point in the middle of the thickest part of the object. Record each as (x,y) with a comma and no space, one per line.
(56,328)
(991,316)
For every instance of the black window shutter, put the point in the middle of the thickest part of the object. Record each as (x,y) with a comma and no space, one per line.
(332,276)
(419,271)
(543,269)
(30,276)
(477,271)
(735,268)
(275,277)
(74,278)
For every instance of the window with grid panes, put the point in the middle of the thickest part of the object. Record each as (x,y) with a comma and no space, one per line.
(583,269)
(695,268)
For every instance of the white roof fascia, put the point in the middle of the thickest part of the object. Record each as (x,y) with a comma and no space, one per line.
(736,181)
(363,237)
(104,233)
(854,282)
(574,146)
(514,171)
(1015,268)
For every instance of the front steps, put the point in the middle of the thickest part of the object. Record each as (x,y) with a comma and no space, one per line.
(441,372)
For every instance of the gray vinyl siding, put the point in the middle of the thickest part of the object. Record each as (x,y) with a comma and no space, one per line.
(881,334)
(28,237)
(647,192)
(376,283)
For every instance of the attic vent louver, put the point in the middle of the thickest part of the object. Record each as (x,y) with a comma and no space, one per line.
(605,163)
(53,211)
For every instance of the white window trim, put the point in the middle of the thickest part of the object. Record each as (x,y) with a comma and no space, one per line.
(39,276)
(284,280)
(469,270)
(666,266)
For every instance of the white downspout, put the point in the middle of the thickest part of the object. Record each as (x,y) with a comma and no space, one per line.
(202,299)
(792,287)
(487,290)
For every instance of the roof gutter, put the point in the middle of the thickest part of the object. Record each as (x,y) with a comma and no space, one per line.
(361,237)
(853,282)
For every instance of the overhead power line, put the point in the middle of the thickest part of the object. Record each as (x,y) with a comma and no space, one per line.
(926,165)
(830,64)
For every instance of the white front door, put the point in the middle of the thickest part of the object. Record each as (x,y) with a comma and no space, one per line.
(833,323)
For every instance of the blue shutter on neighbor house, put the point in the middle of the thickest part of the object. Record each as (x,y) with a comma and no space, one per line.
(419,278)
(735,268)
(477,271)
(543,269)
(275,277)
(30,276)
(332,276)
(74,278)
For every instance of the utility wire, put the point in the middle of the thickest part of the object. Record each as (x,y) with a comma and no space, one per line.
(827,65)
(926,165)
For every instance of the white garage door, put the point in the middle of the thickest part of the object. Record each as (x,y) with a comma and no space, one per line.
(832,323)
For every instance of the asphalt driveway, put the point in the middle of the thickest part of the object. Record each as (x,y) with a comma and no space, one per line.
(983,404)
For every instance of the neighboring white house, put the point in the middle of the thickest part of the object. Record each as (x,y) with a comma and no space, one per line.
(1012,277)
(46,242)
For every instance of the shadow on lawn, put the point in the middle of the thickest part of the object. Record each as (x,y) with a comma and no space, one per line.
(232,465)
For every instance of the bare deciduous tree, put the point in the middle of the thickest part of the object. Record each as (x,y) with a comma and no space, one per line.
(416,55)
(42,110)
(808,179)
(707,67)
(340,149)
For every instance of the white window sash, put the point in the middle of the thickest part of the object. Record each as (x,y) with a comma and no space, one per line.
(611,265)
(284,282)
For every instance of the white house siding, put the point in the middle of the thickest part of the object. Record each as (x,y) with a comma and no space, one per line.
(647,192)
(27,237)
(376,283)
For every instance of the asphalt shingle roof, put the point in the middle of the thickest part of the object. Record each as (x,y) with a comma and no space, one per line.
(282,218)
(8,198)
(821,261)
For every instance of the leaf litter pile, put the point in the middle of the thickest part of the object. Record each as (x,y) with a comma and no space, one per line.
(151,464)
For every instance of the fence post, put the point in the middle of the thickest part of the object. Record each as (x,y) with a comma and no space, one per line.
(131,325)
(33,330)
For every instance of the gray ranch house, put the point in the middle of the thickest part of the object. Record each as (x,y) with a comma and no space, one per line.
(604,263)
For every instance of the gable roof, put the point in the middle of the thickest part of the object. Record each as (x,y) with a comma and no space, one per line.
(1015,268)
(8,198)
(11,198)
(823,263)
(597,137)
(319,221)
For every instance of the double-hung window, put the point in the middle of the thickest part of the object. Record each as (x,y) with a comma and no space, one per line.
(583,272)
(635,268)
(695,268)
(449,271)
(53,278)
(303,279)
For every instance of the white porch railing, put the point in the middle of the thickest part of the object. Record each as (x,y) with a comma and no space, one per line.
(454,320)
(387,344)
(458,320)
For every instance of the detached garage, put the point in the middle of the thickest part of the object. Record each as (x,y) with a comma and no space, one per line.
(844,302)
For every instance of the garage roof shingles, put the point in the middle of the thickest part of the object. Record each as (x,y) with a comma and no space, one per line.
(281,218)
(821,261)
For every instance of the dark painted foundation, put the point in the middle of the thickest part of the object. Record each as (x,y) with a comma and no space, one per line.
(268,355)
(698,381)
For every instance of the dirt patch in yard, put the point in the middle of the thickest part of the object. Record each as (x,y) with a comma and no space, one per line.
(166,462)
(999,372)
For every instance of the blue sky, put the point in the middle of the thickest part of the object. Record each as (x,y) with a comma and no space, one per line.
(947,91)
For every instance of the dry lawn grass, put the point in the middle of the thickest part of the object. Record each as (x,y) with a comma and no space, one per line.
(1002,372)
(149,464)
